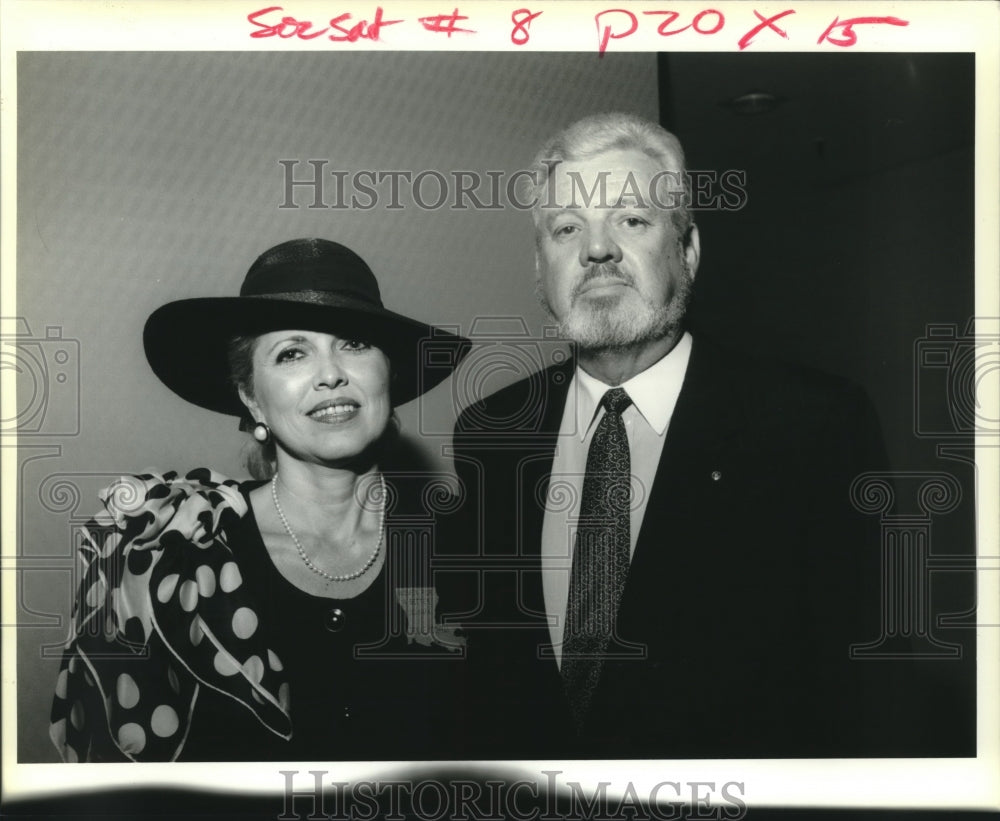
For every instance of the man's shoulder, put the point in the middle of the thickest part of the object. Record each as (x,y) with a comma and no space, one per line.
(521,405)
(770,379)
(770,384)
(781,400)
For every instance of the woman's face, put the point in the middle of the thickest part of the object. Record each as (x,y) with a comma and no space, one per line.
(325,398)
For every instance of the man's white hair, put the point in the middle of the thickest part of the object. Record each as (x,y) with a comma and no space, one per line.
(612,131)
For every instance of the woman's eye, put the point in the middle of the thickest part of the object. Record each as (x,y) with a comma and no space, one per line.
(355,345)
(289,355)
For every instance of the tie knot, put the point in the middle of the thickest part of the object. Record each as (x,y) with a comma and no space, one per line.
(616,400)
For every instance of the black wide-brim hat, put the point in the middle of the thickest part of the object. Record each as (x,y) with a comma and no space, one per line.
(303,284)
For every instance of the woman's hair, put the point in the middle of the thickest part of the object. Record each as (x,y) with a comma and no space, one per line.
(261,457)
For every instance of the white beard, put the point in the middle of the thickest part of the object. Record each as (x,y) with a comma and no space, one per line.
(605,325)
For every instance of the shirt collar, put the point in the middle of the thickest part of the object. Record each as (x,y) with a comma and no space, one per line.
(654,391)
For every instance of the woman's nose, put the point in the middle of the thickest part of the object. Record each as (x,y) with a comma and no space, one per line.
(329,372)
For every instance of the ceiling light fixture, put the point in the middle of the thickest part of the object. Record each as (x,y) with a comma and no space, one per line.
(754,102)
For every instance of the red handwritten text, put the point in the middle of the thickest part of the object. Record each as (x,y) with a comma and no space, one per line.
(696,24)
(288,27)
(521,19)
(620,23)
(765,23)
(445,23)
(612,24)
(617,24)
(847,37)
(362,30)
(609,33)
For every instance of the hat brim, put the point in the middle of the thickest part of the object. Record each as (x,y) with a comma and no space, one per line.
(186,343)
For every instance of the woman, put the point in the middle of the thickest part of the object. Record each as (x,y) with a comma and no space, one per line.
(292,617)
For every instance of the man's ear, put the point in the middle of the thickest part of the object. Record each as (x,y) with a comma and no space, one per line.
(251,405)
(692,249)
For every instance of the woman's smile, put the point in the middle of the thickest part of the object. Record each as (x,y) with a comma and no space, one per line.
(335,411)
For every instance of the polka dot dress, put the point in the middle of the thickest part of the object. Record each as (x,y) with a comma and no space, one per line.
(161,613)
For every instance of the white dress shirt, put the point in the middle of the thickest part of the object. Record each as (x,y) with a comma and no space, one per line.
(654,395)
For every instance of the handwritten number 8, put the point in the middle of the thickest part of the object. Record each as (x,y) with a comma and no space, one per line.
(522,22)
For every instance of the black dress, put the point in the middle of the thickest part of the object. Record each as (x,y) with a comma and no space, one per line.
(362,687)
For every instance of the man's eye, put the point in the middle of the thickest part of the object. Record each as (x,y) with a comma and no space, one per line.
(635,222)
(564,230)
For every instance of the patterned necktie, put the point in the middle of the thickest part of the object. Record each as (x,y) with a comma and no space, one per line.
(601,557)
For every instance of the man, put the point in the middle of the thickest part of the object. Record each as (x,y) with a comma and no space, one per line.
(707,609)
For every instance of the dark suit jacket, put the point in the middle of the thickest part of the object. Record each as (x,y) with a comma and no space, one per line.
(752,576)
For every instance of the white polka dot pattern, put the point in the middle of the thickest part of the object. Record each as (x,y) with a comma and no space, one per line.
(131,738)
(230,578)
(196,634)
(111,544)
(95,593)
(224,664)
(163,584)
(254,669)
(244,623)
(76,716)
(167,587)
(127,691)
(189,596)
(206,581)
(164,721)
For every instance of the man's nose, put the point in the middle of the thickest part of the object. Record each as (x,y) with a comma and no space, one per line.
(600,246)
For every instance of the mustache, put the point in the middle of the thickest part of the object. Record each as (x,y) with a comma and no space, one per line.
(600,270)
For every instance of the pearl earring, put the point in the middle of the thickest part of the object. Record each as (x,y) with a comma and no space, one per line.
(262,433)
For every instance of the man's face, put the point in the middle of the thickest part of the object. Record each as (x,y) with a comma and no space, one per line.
(613,269)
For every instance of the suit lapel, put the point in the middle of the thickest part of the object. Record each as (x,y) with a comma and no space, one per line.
(536,465)
(704,431)
(533,453)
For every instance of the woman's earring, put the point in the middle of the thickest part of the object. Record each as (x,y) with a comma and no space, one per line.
(262,433)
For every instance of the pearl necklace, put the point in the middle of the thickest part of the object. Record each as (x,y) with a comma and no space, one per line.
(305,558)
